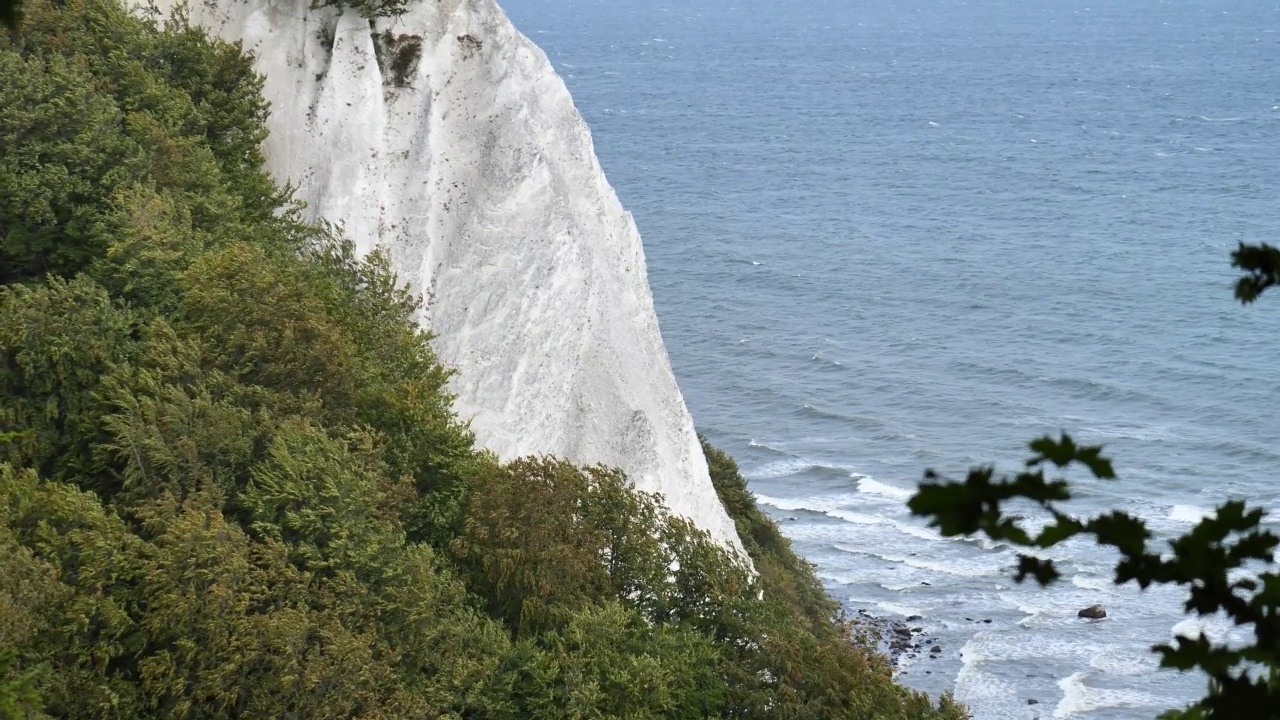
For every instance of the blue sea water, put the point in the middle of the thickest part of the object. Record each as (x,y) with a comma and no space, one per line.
(907,234)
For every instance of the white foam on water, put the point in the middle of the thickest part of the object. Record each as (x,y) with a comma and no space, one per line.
(981,541)
(1015,647)
(961,568)
(898,609)
(781,469)
(818,505)
(779,503)
(863,521)
(987,696)
(1124,661)
(981,647)
(1191,628)
(827,534)
(1047,610)
(837,507)
(857,518)
(1035,614)
(991,658)
(875,487)
(1078,698)
(1039,620)
(1087,582)
(1215,627)
(916,531)
(841,578)
(1057,608)
(1189,514)
(920,532)
(899,587)
(904,664)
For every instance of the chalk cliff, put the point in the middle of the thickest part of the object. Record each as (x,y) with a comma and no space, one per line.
(446,137)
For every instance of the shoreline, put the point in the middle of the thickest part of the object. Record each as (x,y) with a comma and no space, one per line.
(897,640)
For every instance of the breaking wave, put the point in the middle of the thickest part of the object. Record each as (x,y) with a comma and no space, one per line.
(1079,698)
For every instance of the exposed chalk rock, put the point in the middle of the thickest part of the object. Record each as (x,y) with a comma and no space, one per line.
(446,137)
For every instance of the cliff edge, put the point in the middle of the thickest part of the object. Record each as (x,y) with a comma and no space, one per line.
(445,137)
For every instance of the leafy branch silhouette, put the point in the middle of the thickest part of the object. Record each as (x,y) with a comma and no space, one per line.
(1244,679)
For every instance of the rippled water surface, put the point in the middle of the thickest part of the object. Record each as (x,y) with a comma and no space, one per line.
(886,236)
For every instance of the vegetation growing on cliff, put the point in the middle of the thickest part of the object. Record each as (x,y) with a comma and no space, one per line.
(231,484)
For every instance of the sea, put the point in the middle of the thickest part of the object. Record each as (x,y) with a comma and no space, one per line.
(893,235)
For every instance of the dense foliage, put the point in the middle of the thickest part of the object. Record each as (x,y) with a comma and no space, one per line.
(1227,561)
(231,484)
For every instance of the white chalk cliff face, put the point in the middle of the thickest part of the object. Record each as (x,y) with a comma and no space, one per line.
(446,137)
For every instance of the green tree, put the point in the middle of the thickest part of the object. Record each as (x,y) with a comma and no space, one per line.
(782,573)
(57,343)
(790,653)
(1244,681)
(608,661)
(543,539)
(10,11)
(232,484)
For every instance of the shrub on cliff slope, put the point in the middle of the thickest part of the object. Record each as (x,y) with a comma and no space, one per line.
(783,574)
(231,484)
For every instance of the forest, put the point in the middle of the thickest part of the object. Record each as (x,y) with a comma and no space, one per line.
(231,482)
